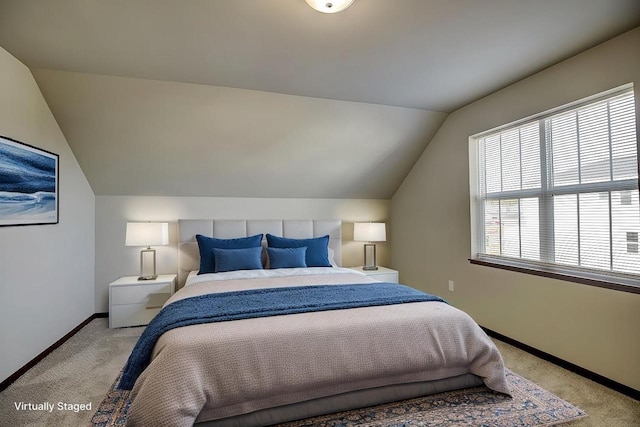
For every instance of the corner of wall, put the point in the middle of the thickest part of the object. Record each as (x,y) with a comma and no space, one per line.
(47,270)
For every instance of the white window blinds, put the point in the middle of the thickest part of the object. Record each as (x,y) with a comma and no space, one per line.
(562,189)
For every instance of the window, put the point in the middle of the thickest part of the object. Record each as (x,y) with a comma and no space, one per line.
(632,242)
(559,192)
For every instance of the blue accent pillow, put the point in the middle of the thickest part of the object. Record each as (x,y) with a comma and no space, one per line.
(237,259)
(206,245)
(287,257)
(317,249)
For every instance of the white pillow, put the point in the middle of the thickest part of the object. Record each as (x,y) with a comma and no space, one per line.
(332,261)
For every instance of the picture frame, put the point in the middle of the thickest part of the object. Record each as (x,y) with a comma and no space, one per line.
(29,184)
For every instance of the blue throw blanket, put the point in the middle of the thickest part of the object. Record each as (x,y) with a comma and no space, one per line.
(220,307)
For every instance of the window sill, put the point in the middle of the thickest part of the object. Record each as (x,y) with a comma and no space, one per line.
(624,284)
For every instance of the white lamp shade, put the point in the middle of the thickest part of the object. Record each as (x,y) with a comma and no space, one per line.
(147,234)
(329,6)
(369,232)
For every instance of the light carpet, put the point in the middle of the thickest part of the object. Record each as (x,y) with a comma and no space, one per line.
(84,367)
(531,405)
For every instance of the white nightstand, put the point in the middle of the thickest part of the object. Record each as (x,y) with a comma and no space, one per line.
(382,274)
(134,302)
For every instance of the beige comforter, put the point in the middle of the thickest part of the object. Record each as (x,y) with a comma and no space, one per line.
(217,370)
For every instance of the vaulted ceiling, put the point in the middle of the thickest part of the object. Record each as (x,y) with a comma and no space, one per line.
(269,98)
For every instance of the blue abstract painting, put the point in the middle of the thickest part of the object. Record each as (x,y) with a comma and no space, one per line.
(28,184)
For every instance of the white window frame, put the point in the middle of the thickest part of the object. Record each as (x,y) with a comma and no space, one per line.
(603,278)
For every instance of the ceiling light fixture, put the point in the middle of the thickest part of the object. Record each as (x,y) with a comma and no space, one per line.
(329,6)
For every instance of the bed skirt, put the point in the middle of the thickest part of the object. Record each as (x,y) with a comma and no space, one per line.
(345,401)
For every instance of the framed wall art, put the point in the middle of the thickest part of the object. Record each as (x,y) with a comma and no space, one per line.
(28,184)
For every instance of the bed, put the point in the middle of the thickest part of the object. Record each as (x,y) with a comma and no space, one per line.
(266,370)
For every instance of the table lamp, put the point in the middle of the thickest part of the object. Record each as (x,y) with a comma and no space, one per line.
(369,232)
(147,234)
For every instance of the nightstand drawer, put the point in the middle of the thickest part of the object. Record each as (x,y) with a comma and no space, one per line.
(131,315)
(134,302)
(138,294)
(385,277)
(382,274)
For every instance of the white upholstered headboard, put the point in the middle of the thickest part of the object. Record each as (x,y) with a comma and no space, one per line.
(189,257)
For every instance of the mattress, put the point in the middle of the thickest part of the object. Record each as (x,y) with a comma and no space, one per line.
(222,371)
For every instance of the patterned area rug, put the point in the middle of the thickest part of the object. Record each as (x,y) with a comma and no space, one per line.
(530,405)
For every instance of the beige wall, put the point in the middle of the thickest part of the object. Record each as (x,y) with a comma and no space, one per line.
(113,259)
(595,328)
(46,271)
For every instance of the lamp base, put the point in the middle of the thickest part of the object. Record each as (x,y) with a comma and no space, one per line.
(370,257)
(148,269)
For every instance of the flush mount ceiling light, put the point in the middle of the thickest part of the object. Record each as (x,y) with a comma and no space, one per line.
(329,6)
